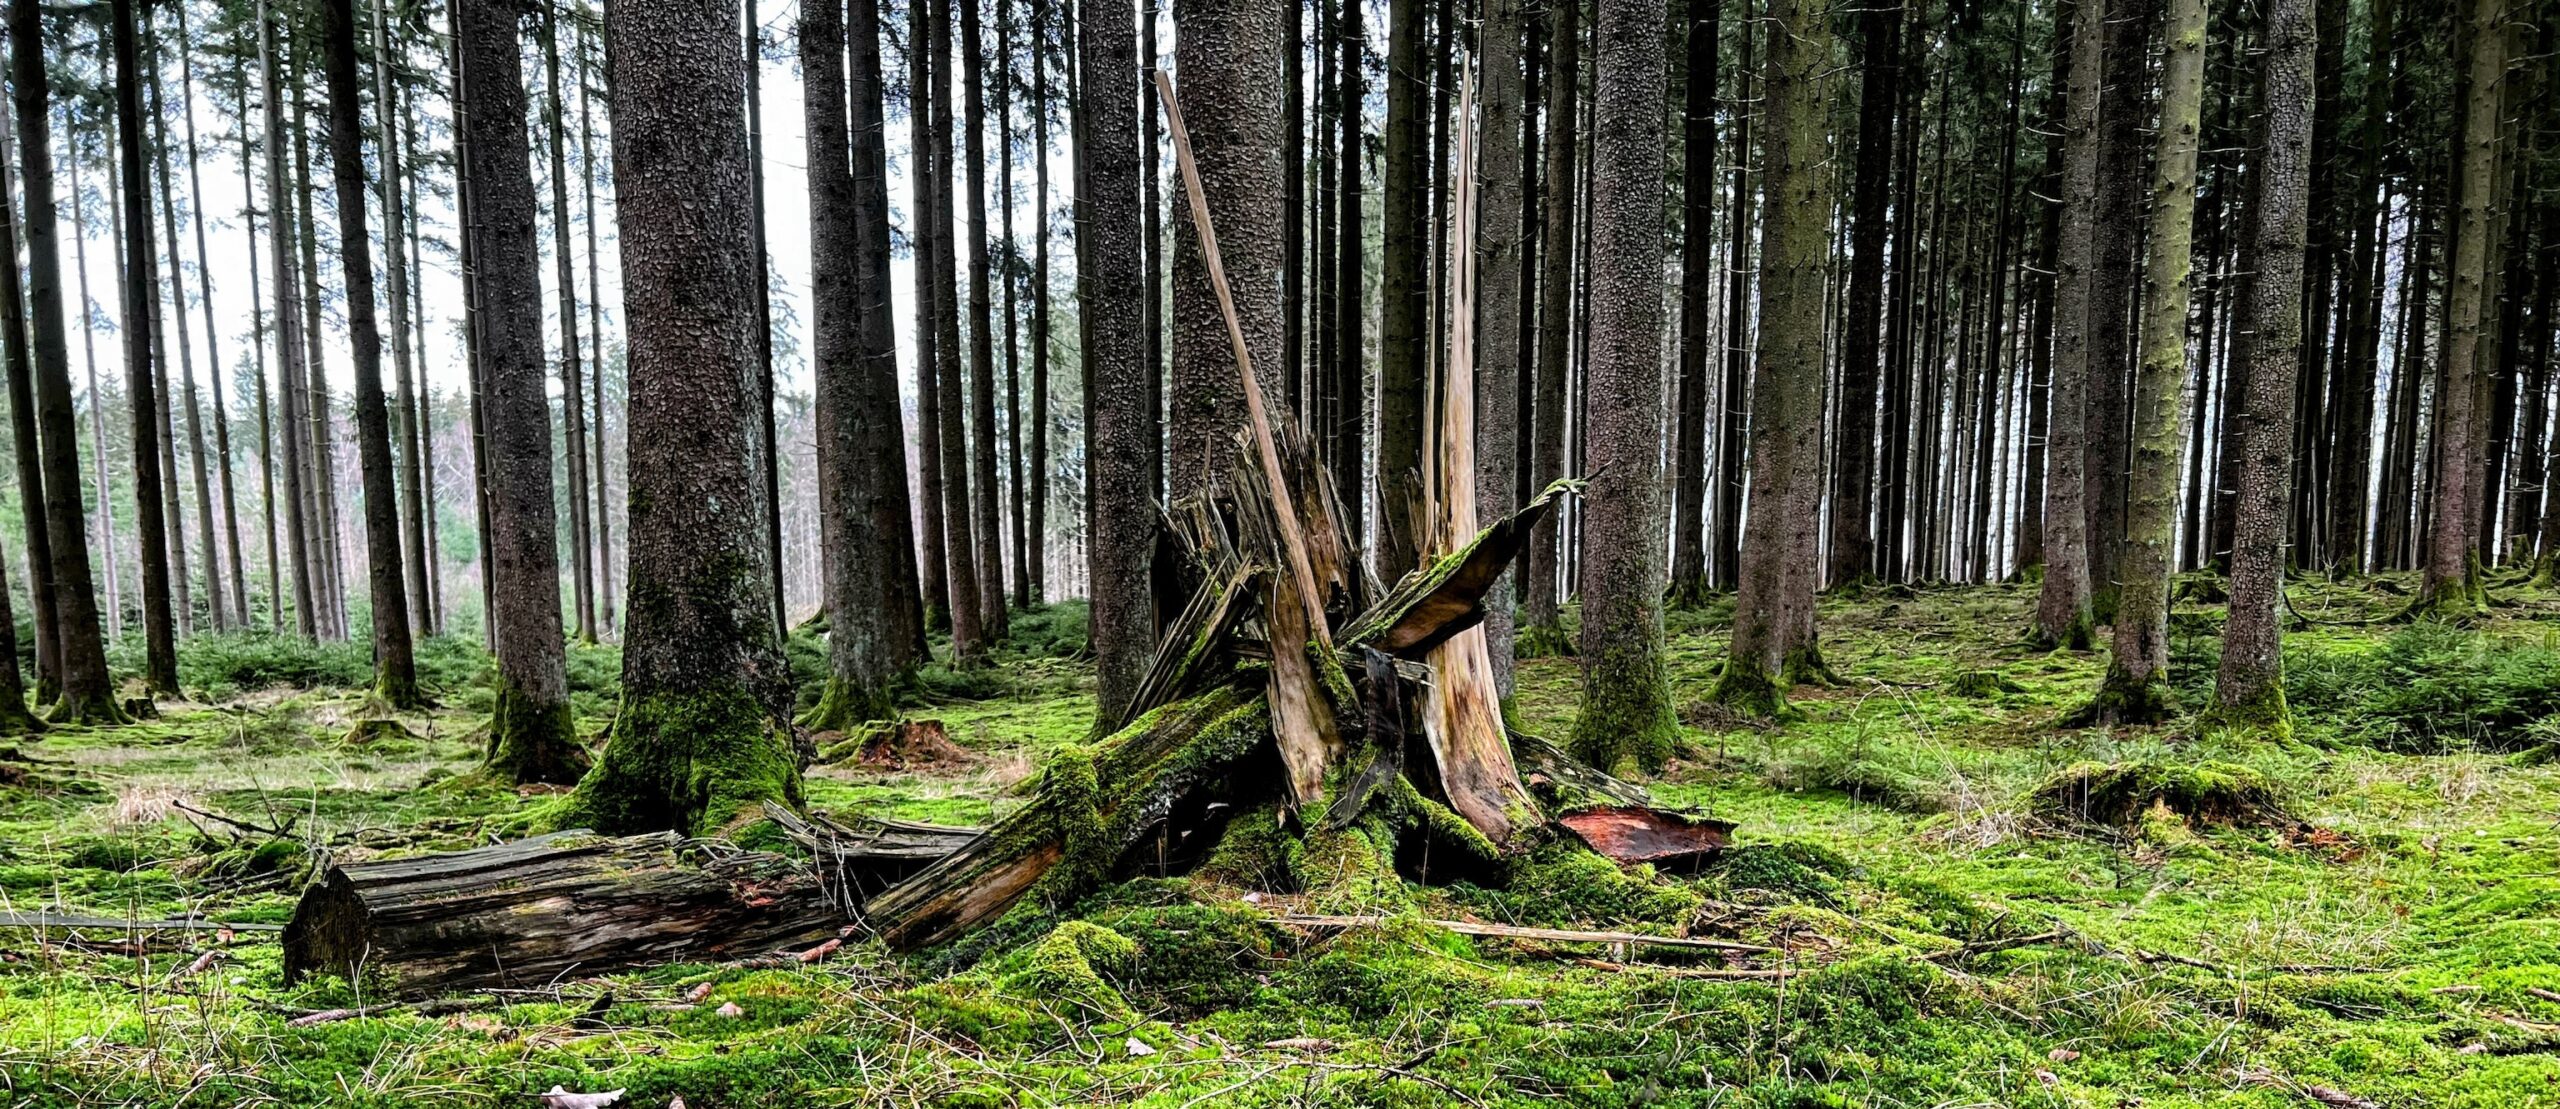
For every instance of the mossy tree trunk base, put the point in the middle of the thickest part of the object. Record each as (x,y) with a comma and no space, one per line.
(844,704)
(98,710)
(2125,700)
(687,763)
(534,742)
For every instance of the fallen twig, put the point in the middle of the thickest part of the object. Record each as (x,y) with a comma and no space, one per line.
(1516,932)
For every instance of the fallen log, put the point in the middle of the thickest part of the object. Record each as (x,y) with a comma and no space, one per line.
(529,912)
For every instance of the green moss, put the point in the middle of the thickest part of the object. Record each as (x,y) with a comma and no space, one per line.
(2123,699)
(689,763)
(2264,715)
(2197,792)
(1254,853)
(844,703)
(532,740)
(1563,884)
(1981,685)
(1788,871)
(1747,687)
(1629,717)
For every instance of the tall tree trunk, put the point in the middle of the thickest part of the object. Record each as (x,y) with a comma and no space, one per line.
(1017,540)
(1734,409)
(1121,521)
(99,496)
(2121,174)
(1542,629)
(1697,305)
(1403,292)
(2063,616)
(1151,162)
(923,176)
(573,416)
(874,620)
(214,368)
(767,446)
(960,547)
(2451,586)
(986,522)
(160,642)
(88,694)
(1348,433)
(318,412)
(395,677)
(2249,690)
(1853,542)
(20,363)
(1038,558)
(2136,687)
(701,737)
(213,588)
(1500,283)
(390,118)
(1227,54)
(532,734)
(587,166)
(1626,698)
(288,330)
(1773,640)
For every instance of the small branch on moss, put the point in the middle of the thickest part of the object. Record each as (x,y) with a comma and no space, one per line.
(1986,947)
(1735,974)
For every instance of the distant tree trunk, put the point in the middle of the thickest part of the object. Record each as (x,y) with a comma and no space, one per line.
(921,172)
(960,546)
(2352,383)
(88,694)
(395,677)
(318,412)
(214,367)
(2040,311)
(1735,395)
(1227,54)
(1697,306)
(987,522)
(1018,542)
(160,641)
(1121,522)
(1403,292)
(2249,690)
(1773,641)
(1499,300)
(874,620)
(1626,698)
(104,512)
(404,414)
(573,416)
(30,462)
(289,346)
(767,446)
(701,737)
(595,335)
(2451,587)
(1038,556)
(532,734)
(214,593)
(1348,433)
(258,341)
(1542,629)
(2136,687)
(1853,536)
(474,341)
(2063,617)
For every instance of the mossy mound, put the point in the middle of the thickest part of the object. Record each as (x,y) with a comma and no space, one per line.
(2118,795)
(1794,872)
(1983,685)
(1563,884)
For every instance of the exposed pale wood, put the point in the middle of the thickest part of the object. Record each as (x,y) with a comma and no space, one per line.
(1446,595)
(1640,834)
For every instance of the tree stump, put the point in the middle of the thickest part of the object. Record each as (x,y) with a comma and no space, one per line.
(533,911)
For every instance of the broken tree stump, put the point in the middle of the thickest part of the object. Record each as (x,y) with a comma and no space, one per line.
(529,912)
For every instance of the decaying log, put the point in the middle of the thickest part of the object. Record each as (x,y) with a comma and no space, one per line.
(529,912)
(854,862)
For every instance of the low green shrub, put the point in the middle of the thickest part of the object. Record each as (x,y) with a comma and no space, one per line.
(2429,688)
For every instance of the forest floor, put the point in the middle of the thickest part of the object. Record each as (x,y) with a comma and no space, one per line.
(2368,915)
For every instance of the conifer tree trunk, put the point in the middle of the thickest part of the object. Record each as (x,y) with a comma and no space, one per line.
(1227,56)
(258,342)
(2121,174)
(1038,556)
(1626,698)
(1405,238)
(1348,433)
(573,415)
(319,413)
(289,345)
(160,643)
(1731,442)
(1121,521)
(2352,383)
(1017,540)
(2451,586)
(1151,308)
(769,457)
(874,620)
(395,677)
(214,368)
(2249,690)
(2136,687)
(701,736)
(200,472)
(959,528)
(404,411)
(1542,630)
(532,735)
(2063,616)
(1499,300)
(1853,543)
(1773,644)
(1697,306)
(587,166)
(104,512)
(923,176)
(87,693)
(28,452)
(986,521)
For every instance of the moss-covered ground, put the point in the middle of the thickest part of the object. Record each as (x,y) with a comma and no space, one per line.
(2378,923)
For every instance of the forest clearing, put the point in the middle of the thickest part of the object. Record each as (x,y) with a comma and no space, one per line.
(2383,931)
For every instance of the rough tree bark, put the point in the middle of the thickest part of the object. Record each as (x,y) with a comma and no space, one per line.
(1626,699)
(986,522)
(2451,586)
(14,346)
(1697,305)
(1541,626)
(2136,687)
(1227,53)
(1853,536)
(395,676)
(1121,527)
(2063,616)
(159,624)
(1499,302)
(532,736)
(1403,289)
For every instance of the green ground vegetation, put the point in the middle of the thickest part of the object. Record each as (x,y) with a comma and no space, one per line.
(1964,903)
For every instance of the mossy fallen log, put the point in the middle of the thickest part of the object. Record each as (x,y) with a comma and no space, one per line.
(529,912)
